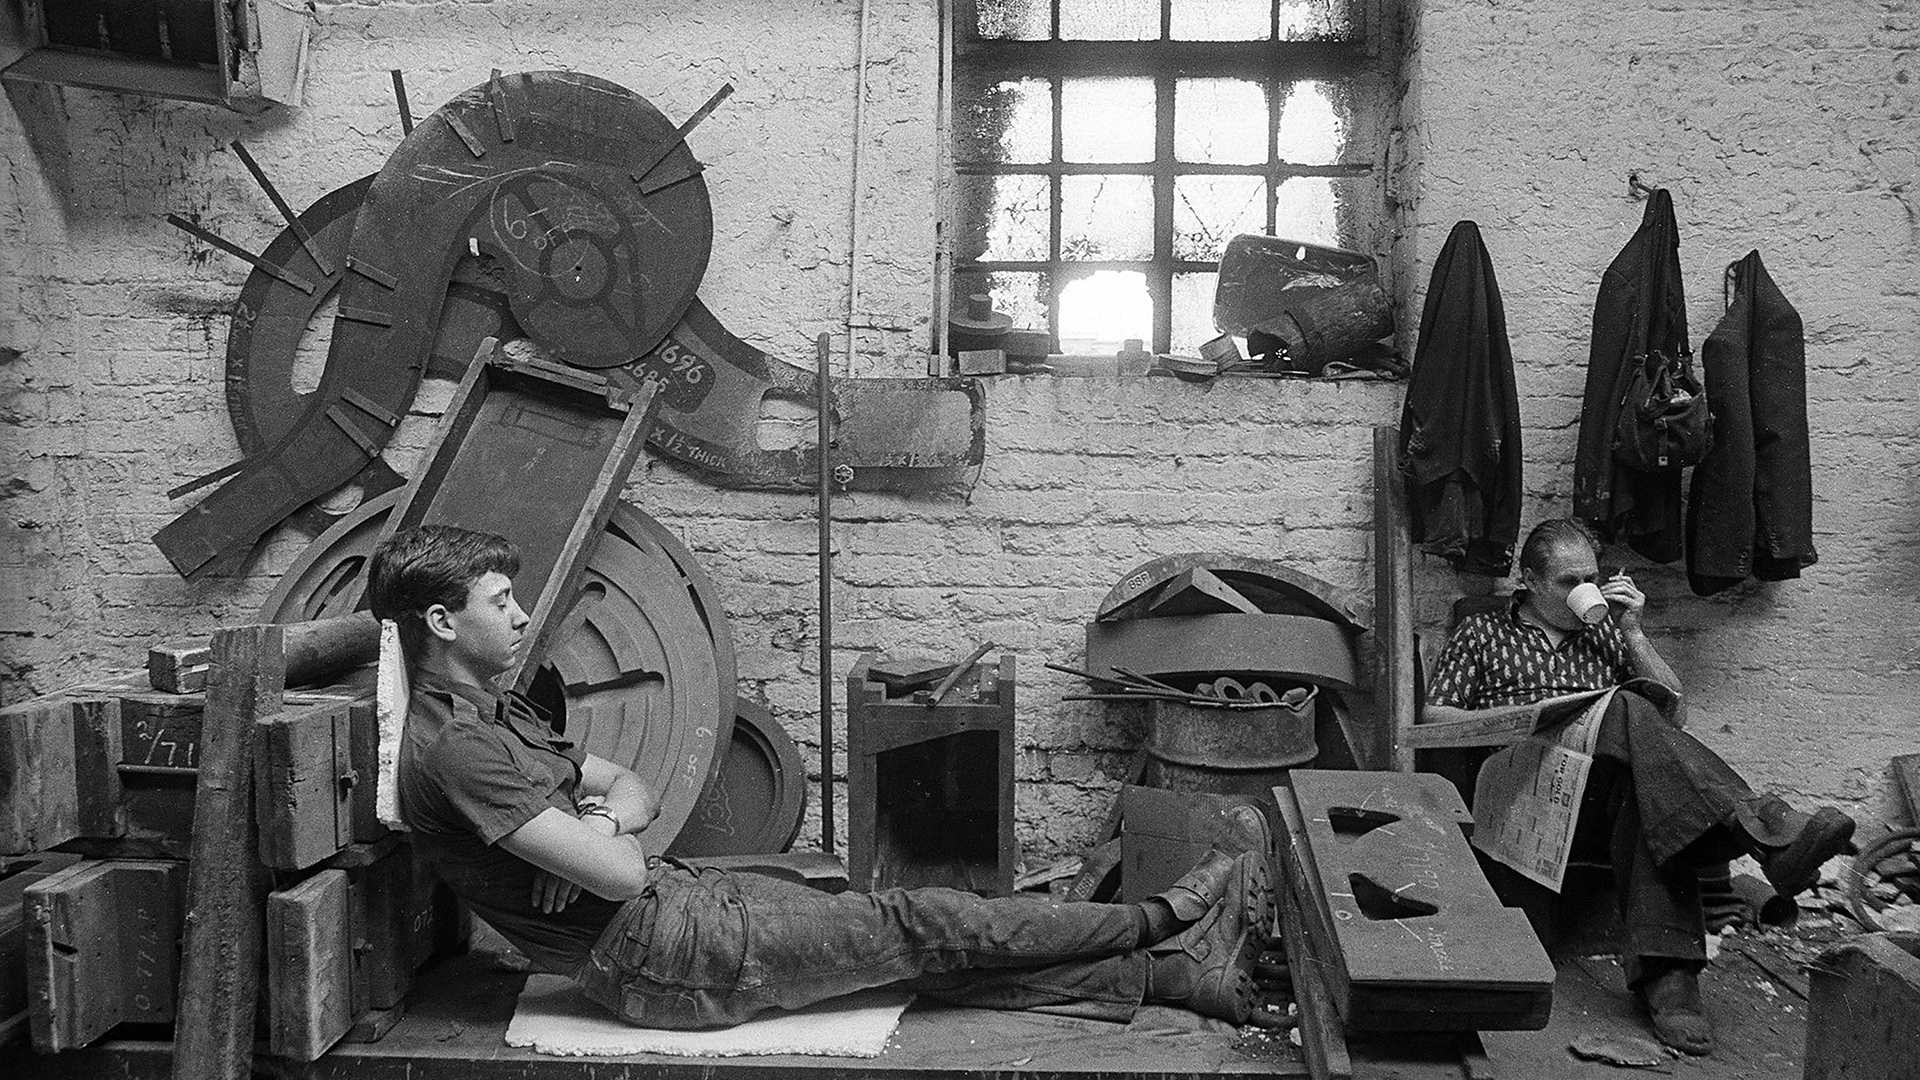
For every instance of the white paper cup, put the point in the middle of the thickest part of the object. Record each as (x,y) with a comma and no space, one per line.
(1586,602)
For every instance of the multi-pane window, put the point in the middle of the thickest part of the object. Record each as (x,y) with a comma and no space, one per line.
(1105,151)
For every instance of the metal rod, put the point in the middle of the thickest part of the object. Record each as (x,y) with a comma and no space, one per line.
(679,135)
(400,99)
(242,254)
(286,212)
(822,346)
(959,672)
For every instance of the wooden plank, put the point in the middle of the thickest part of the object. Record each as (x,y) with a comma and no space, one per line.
(386,911)
(1199,591)
(101,949)
(220,961)
(309,956)
(1864,1013)
(1323,1038)
(15,876)
(96,766)
(39,801)
(302,806)
(1906,774)
(1393,645)
(180,666)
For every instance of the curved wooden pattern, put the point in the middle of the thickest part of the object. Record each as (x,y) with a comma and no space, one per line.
(1276,588)
(756,799)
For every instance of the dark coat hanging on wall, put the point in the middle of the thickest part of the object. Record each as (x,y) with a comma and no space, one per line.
(1640,309)
(1460,427)
(1750,510)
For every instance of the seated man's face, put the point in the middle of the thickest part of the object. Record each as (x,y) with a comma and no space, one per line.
(487,631)
(1568,565)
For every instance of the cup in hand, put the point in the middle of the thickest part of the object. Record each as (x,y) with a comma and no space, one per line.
(1586,602)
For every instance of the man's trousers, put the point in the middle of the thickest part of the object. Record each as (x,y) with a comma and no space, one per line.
(712,948)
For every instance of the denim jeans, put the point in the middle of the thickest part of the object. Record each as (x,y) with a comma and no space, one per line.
(712,948)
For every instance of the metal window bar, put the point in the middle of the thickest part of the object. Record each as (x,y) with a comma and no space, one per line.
(1271,63)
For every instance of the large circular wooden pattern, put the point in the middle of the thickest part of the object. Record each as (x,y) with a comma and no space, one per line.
(757,797)
(648,677)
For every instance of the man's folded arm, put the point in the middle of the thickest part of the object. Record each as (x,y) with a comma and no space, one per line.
(611,867)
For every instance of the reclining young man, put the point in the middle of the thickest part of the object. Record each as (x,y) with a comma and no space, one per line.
(542,841)
(1663,803)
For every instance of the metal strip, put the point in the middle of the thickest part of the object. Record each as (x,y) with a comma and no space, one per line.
(372,273)
(497,101)
(286,212)
(242,254)
(213,477)
(400,100)
(366,315)
(352,430)
(369,406)
(466,134)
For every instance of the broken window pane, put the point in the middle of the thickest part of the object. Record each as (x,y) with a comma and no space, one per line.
(1005,122)
(1314,119)
(1106,218)
(1221,20)
(1192,312)
(1303,20)
(1022,294)
(1331,210)
(1016,20)
(1106,120)
(1209,210)
(1002,218)
(1101,311)
(1219,121)
(1109,20)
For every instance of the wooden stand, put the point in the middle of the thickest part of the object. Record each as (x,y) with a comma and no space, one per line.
(930,785)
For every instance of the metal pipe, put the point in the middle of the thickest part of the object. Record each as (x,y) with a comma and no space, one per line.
(822,348)
(859,137)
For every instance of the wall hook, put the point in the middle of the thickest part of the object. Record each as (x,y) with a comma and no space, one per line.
(1636,187)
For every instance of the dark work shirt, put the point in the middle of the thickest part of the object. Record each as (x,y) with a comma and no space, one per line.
(1493,659)
(474,766)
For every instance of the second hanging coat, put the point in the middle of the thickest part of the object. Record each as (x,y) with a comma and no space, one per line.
(1640,309)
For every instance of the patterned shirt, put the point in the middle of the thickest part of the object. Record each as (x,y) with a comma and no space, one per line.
(1493,659)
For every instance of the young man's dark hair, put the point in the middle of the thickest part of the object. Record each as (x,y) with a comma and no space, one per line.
(1550,536)
(434,564)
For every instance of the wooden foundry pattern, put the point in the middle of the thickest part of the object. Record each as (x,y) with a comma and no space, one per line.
(930,785)
(756,798)
(1274,587)
(533,170)
(1401,922)
(642,677)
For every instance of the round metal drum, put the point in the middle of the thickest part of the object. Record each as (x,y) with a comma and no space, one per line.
(645,673)
(754,803)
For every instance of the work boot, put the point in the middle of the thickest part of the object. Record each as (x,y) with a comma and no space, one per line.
(1791,845)
(1672,998)
(1245,830)
(1208,968)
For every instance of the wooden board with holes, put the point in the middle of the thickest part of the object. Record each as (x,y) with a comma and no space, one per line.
(1412,936)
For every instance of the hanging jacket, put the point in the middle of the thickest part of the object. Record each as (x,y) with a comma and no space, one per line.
(1750,509)
(1460,427)
(1640,309)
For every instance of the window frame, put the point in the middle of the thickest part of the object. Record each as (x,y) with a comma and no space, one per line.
(1271,63)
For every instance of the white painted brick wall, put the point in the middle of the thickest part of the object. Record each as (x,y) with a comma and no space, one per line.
(1786,125)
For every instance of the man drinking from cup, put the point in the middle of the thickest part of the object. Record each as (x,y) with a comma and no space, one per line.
(1662,802)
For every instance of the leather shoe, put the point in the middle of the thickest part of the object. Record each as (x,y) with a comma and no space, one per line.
(1794,867)
(1672,998)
